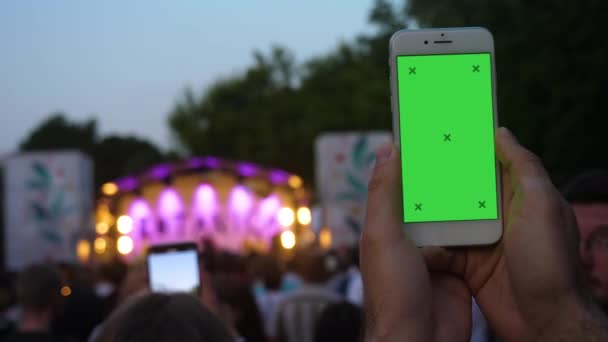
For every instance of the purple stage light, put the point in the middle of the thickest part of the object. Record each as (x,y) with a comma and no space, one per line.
(127,183)
(171,215)
(196,162)
(139,209)
(247,169)
(240,201)
(269,207)
(160,172)
(205,200)
(267,213)
(278,177)
(212,162)
(169,203)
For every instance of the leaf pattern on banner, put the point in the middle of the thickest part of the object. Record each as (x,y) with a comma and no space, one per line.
(361,160)
(348,196)
(371,158)
(46,213)
(41,171)
(359,152)
(356,183)
(40,213)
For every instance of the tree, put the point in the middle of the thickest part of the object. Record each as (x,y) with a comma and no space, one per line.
(113,156)
(116,156)
(272,112)
(552,72)
(57,132)
(552,80)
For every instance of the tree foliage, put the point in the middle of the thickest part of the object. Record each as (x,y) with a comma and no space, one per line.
(113,156)
(552,81)
(552,71)
(272,112)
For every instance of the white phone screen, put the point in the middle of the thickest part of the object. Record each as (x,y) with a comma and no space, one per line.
(174,272)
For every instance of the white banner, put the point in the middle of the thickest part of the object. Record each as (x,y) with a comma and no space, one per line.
(344,163)
(48,206)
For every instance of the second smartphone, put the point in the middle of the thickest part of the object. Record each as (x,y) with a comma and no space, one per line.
(174,268)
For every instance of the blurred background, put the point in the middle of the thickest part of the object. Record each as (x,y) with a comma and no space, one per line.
(250,124)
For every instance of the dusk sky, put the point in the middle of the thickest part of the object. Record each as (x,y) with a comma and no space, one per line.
(126,63)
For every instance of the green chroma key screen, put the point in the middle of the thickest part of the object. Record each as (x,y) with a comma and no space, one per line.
(447,137)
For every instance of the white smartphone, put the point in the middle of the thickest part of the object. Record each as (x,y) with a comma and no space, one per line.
(443,99)
(174,268)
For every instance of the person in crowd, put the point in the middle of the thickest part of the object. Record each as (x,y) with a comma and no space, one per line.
(38,295)
(109,276)
(298,313)
(588,195)
(163,317)
(338,277)
(529,285)
(82,308)
(339,321)
(8,311)
(238,307)
(269,294)
(291,279)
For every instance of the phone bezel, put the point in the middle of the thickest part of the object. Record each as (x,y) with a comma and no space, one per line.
(461,40)
(170,248)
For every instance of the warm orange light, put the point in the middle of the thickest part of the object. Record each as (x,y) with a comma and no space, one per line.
(294,181)
(83,250)
(124,224)
(109,189)
(286,217)
(288,239)
(325,238)
(304,216)
(65,291)
(100,244)
(124,245)
(102,228)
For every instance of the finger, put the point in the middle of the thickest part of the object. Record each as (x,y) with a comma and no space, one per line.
(506,192)
(440,259)
(395,278)
(383,216)
(524,167)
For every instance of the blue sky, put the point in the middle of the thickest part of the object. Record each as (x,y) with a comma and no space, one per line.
(127,62)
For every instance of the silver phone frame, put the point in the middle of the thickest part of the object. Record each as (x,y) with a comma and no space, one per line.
(463,40)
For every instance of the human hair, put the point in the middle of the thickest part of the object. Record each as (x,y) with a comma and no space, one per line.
(339,322)
(311,265)
(38,287)
(268,268)
(234,291)
(163,317)
(588,187)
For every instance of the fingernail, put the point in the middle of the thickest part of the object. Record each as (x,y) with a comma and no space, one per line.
(384,153)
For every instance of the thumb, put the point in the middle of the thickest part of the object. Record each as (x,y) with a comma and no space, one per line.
(395,279)
(383,217)
(523,167)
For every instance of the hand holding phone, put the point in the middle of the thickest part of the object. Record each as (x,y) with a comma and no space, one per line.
(528,285)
